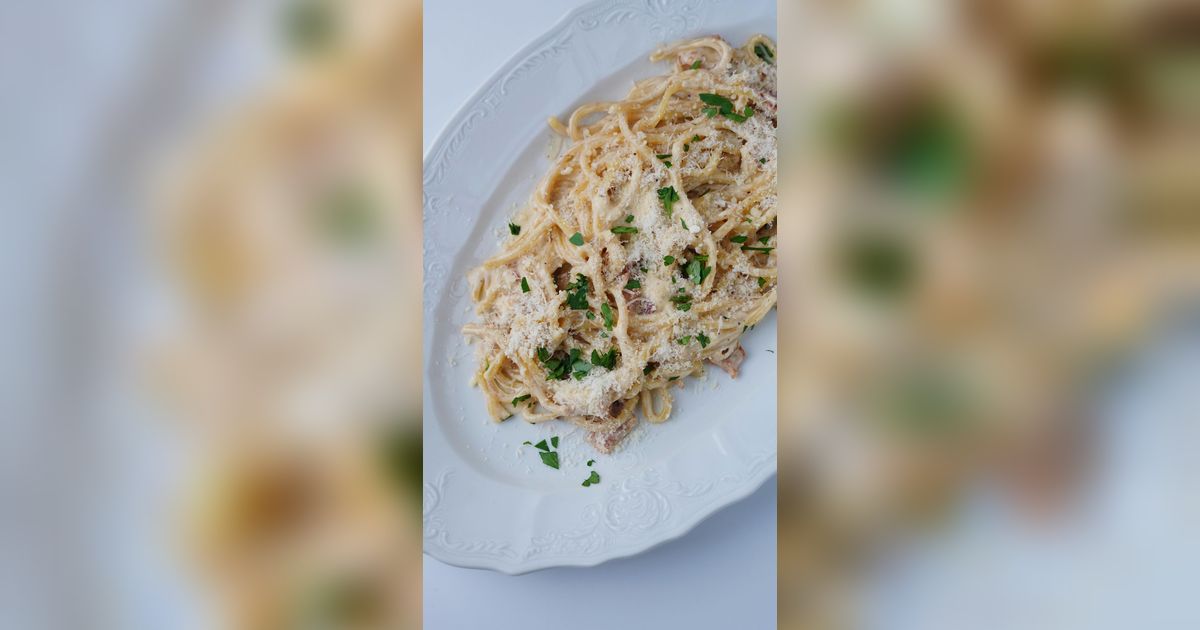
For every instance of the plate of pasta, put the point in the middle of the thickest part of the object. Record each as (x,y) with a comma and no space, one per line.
(599,288)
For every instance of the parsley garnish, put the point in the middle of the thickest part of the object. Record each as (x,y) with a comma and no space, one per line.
(629,218)
(541,446)
(577,293)
(520,399)
(524,285)
(576,239)
(624,229)
(764,53)
(696,66)
(633,284)
(682,302)
(762,160)
(556,369)
(683,341)
(683,223)
(696,138)
(740,238)
(579,367)
(668,197)
(663,156)
(686,147)
(590,462)
(527,443)
(554,441)
(668,260)
(591,315)
(697,271)
(550,459)
(592,479)
(761,281)
(607,314)
(606,360)
(723,106)
(747,248)
(514,229)
(764,239)
(703,339)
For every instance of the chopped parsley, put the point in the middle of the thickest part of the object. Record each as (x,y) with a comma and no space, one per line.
(550,459)
(723,106)
(633,284)
(703,339)
(696,66)
(683,223)
(607,314)
(761,281)
(747,248)
(556,369)
(554,441)
(591,315)
(607,360)
(624,229)
(764,53)
(682,302)
(590,462)
(683,341)
(524,285)
(541,446)
(764,239)
(666,159)
(579,366)
(696,138)
(629,218)
(686,147)
(762,160)
(668,260)
(697,271)
(576,239)
(520,399)
(577,293)
(668,197)
(514,229)
(592,479)
(740,238)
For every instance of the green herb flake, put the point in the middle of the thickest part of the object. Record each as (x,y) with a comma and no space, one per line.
(764,53)
(747,248)
(607,314)
(624,229)
(577,293)
(527,443)
(764,239)
(683,223)
(683,341)
(761,281)
(739,239)
(629,218)
(576,239)
(524,285)
(696,65)
(541,446)
(633,284)
(591,315)
(703,339)
(608,360)
(590,462)
(668,260)
(550,459)
(592,479)
(520,399)
(682,302)
(554,441)
(668,197)
(514,229)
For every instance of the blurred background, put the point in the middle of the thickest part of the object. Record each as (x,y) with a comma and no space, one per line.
(212,314)
(988,313)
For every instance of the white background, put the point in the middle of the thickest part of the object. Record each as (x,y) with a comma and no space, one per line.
(720,575)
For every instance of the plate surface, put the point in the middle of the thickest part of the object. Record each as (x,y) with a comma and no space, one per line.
(488,500)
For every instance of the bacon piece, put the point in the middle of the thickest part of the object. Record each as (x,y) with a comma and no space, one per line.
(607,440)
(731,362)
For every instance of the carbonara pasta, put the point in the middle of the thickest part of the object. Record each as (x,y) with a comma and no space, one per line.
(647,250)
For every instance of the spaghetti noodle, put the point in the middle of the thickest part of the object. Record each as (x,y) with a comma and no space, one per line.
(647,249)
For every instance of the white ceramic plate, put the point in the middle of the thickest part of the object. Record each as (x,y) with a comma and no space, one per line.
(489,502)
